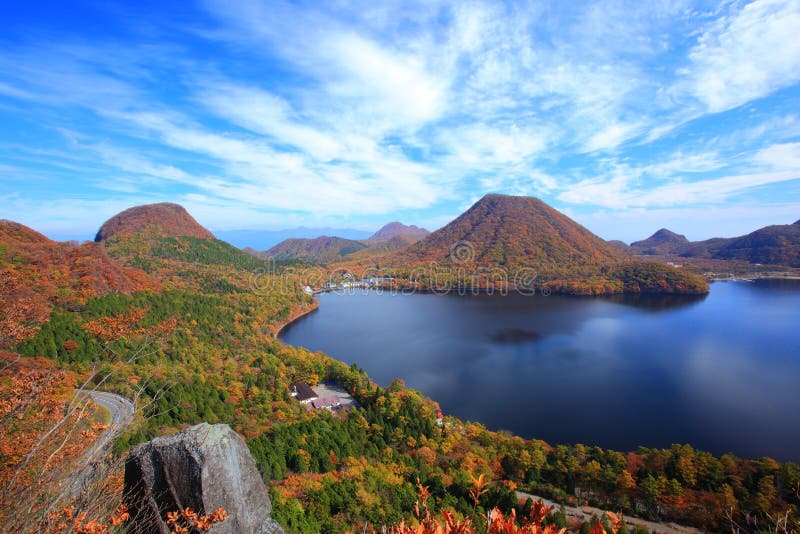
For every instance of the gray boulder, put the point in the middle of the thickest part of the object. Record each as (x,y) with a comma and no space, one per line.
(203,468)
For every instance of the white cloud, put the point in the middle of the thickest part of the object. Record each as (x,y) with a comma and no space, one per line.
(663,184)
(265,113)
(325,110)
(746,55)
(611,136)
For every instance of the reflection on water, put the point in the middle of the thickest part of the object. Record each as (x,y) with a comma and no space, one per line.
(719,372)
(656,302)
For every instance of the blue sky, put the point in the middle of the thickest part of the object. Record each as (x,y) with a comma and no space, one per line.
(628,116)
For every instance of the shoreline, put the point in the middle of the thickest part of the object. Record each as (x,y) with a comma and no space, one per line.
(299,314)
(754,277)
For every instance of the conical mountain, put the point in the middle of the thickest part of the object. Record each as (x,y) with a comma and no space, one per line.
(515,230)
(521,242)
(164,219)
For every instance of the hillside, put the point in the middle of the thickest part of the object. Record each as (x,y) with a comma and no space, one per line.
(164,219)
(661,243)
(771,245)
(398,229)
(37,274)
(774,245)
(323,249)
(620,245)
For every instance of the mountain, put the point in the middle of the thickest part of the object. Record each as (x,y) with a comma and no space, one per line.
(660,243)
(264,239)
(775,245)
(515,230)
(395,229)
(322,249)
(522,238)
(771,245)
(164,219)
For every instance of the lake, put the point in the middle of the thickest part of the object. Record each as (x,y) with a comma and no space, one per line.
(721,372)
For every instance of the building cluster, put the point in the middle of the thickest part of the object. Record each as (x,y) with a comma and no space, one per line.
(323,397)
(376,281)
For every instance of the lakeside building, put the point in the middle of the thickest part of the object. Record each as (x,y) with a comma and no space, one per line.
(303,392)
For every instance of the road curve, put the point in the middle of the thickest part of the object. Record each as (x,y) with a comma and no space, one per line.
(585,513)
(121,412)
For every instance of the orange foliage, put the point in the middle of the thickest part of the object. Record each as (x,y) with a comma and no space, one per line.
(497,523)
(42,440)
(124,325)
(187,519)
(36,273)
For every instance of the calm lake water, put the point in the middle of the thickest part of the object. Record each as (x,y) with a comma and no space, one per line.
(720,372)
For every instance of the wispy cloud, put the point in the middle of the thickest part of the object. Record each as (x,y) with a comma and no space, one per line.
(745,55)
(394,108)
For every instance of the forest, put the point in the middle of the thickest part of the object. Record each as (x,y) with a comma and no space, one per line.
(197,343)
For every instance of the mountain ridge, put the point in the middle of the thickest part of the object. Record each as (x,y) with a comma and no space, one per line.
(777,244)
(322,249)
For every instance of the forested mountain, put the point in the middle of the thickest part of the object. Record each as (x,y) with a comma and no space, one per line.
(514,230)
(661,242)
(515,233)
(775,245)
(164,219)
(397,229)
(323,249)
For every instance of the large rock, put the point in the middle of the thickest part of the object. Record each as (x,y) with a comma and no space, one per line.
(203,468)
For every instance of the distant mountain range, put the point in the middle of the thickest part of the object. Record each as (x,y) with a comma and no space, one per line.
(771,245)
(323,249)
(398,229)
(262,240)
(327,249)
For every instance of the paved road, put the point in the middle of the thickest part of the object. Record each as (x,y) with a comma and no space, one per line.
(585,513)
(121,412)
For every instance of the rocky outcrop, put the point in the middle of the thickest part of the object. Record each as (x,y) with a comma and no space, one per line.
(203,468)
